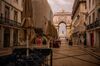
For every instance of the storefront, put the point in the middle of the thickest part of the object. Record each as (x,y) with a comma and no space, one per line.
(92,39)
(75,38)
(93,34)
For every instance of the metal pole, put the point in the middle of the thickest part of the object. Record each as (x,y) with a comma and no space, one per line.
(27,45)
(51,57)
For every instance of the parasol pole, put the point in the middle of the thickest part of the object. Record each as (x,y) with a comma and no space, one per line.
(27,44)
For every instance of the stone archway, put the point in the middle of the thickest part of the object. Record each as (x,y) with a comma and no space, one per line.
(64,27)
(62,17)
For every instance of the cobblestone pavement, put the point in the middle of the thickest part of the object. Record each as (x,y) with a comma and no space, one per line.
(73,56)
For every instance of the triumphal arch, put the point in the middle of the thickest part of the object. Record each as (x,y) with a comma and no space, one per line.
(63,17)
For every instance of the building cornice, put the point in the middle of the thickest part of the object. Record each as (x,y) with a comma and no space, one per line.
(62,14)
(11,5)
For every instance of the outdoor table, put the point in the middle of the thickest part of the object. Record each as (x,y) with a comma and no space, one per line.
(45,52)
(19,55)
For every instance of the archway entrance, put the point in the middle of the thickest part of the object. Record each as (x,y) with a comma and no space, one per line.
(62,31)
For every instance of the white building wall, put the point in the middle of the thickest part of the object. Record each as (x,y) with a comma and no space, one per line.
(11,13)
(3,6)
(94,5)
(15,5)
(12,6)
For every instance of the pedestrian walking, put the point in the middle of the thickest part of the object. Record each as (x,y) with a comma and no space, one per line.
(51,43)
(82,40)
(44,40)
(39,41)
(85,40)
(70,42)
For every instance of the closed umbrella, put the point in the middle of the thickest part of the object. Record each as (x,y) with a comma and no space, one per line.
(27,13)
(27,19)
(27,8)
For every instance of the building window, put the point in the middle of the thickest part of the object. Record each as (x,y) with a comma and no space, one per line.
(6,38)
(93,16)
(99,13)
(89,4)
(7,12)
(89,19)
(16,1)
(15,15)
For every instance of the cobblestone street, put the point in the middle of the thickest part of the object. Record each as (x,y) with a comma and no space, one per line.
(73,56)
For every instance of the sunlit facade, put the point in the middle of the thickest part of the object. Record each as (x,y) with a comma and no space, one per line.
(62,18)
(10,22)
(93,23)
(10,19)
(78,21)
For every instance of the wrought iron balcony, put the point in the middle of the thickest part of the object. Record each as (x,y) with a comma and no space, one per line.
(8,22)
(94,25)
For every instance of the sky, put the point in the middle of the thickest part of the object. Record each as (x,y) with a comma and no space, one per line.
(62,29)
(58,5)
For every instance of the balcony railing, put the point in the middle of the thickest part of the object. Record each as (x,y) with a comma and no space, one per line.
(94,25)
(8,22)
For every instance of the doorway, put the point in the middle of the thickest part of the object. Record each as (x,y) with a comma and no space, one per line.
(92,39)
(99,39)
(15,37)
(6,37)
(62,32)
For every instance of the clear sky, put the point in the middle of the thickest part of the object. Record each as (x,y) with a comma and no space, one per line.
(58,5)
(62,29)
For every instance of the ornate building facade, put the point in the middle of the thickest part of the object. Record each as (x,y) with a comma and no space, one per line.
(62,17)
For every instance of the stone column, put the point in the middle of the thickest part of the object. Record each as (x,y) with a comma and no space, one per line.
(19,36)
(1,37)
(11,37)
